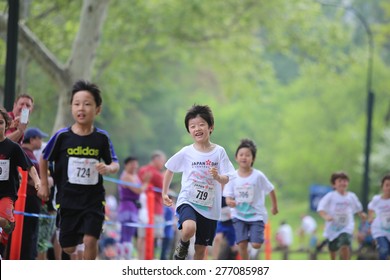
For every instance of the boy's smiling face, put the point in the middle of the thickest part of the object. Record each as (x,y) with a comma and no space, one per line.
(199,129)
(341,185)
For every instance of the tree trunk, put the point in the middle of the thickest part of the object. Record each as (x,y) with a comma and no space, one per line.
(81,60)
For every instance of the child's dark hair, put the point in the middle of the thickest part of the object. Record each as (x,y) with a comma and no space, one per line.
(202,111)
(384,178)
(82,85)
(338,175)
(130,158)
(6,117)
(247,143)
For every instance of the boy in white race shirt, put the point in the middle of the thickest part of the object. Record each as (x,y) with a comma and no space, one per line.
(205,168)
(338,208)
(246,195)
(379,218)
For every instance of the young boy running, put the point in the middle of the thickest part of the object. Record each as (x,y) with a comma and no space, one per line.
(379,218)
(77,152)
(205,167)
(246,195)
(337,208)
(11,156)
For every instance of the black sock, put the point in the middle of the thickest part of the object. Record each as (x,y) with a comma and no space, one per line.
(185,244)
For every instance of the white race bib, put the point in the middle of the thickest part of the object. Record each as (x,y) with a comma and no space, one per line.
(82,171)
(244,193)
(341,220)
(202,194)
(4,169)
(385,220)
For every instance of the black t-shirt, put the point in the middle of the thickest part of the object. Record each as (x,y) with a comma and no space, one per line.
(11,156)
(74,156)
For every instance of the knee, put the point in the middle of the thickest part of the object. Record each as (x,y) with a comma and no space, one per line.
(256,245)
(69,250)
(89,241)
(189,228)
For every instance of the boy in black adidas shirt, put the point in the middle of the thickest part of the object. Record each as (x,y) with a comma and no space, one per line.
(81,154)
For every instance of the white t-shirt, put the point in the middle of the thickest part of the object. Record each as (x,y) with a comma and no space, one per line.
(308,224)
(198,188)
(285,235)
(381,224)
(342,208)
(249,194)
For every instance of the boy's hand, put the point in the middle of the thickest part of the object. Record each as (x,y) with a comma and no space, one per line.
(214,172)
(103,169)
(166,200)
(43,192)
(275,210)
(230,202)
(328,218)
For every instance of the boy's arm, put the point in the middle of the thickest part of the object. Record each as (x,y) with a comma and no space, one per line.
(43,192)
(362,215)
(34,175)
(324,215)
(274,202)
(166,183)
(371,216)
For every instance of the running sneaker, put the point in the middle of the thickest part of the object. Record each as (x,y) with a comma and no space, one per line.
(181,251)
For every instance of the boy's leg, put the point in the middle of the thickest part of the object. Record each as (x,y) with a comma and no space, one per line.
(243,249)
(383,247)
(187,226)
(218,242)
(345,242)
(200,251)
(333,248)
(345,252)
(188,230)
(91,247)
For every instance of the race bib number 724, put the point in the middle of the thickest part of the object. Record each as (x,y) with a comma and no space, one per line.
(82,171)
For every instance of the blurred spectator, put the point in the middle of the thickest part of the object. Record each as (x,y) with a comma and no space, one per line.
(306,231)
(284,238)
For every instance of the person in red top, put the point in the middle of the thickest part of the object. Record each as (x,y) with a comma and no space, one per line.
(16,130)
(154,169)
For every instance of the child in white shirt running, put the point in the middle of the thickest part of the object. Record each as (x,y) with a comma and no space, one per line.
(246,195)
(205,168)
(337,208)
(379,218)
